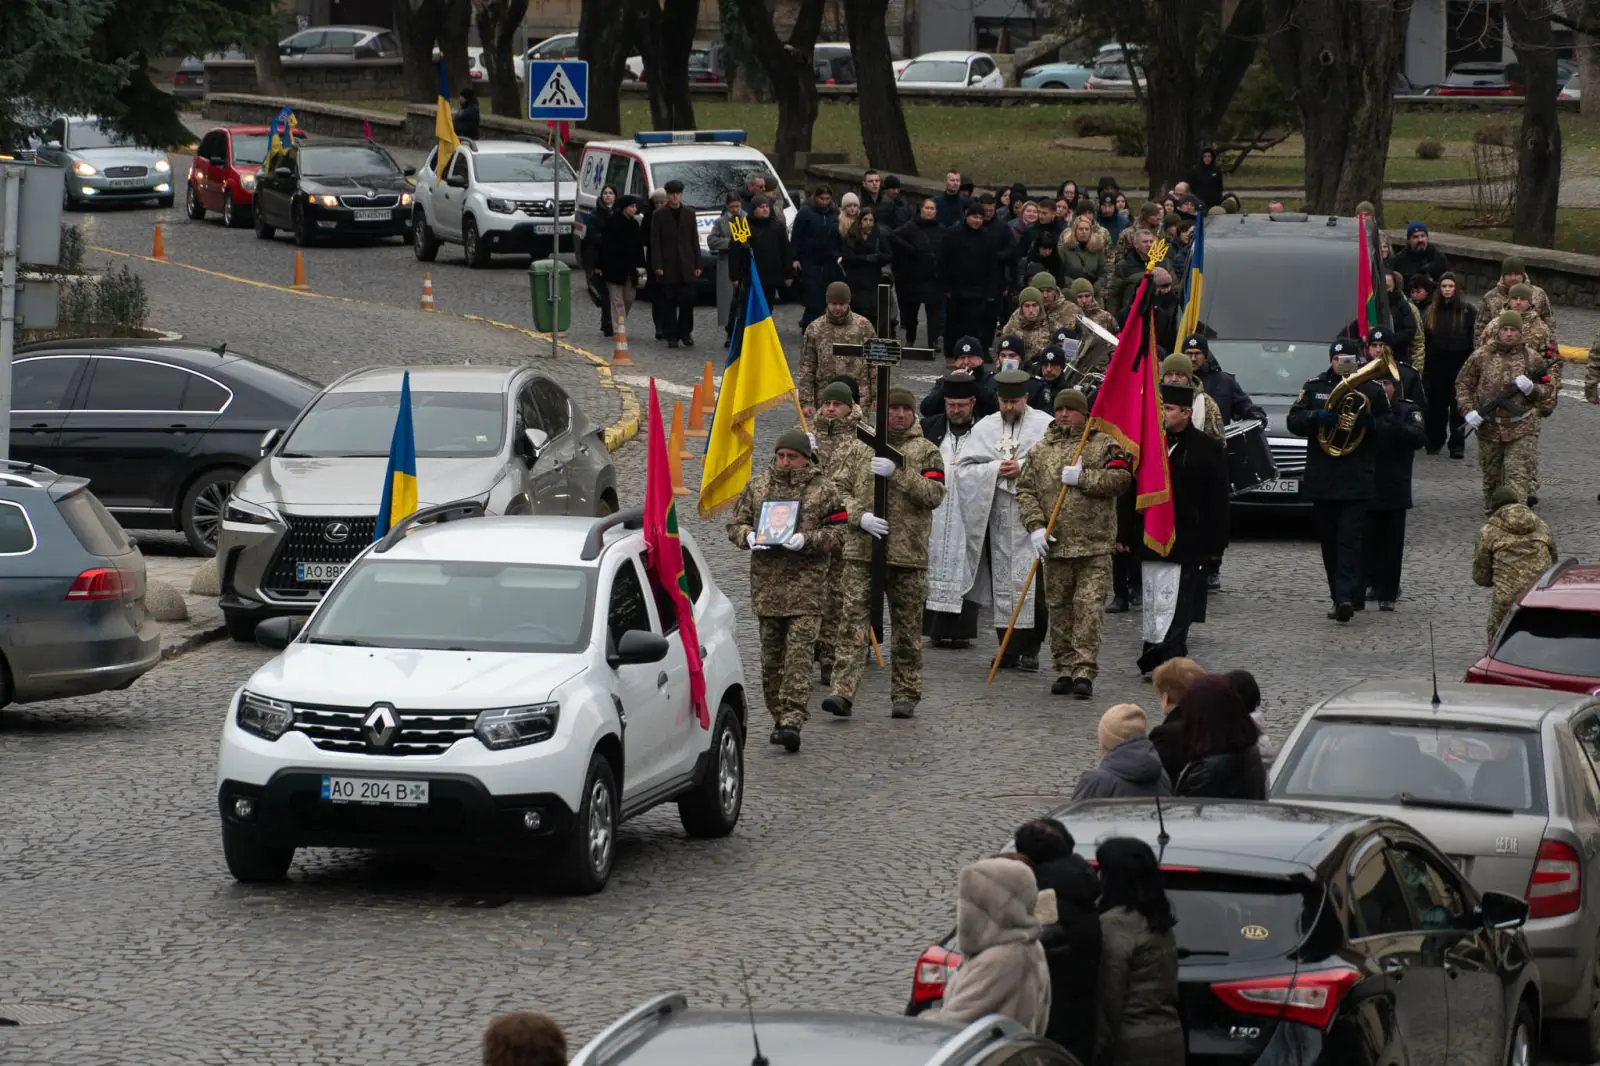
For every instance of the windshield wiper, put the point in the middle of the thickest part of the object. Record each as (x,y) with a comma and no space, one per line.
(1189,953)
(343,642)
(1408,800)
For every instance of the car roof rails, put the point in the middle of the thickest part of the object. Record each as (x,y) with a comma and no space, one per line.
(1548,578)
(428,516)
(632,518)
(21,481)
(631,1025)
(23,467)
(975,1037)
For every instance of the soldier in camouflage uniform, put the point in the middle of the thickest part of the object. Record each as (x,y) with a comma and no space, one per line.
(1077,553)
(1030,323)
(844,458)
(1514,547)
(786,582)
(1497,299)
(1057,308)
(1536,332)
(1094,354)
(916,488)
(1178,369)
(1507,442)
(818,364)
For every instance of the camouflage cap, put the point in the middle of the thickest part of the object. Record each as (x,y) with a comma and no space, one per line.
(1073,400)
(1030,295)
(1177,363)
(1044,281)
(837,392)
(1082,287)
(838,293)
(1513,264)
(1521,291)
(900,396)
(795,440)
(1508,320)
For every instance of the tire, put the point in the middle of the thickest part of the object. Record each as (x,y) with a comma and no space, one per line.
(264,232)
(1524,1042)
(712,809)
(584,865)
(200,511)
(241,625)
(250,862)
(191,204)
(424,245)
(68,201)
(231,216)
(472,245)
(165,202)
(608,504)
(302,229)
(1578,1040)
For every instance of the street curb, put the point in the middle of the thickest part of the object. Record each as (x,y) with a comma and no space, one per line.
(196,639)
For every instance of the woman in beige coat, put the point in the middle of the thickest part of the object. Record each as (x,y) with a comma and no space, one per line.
(1003,970)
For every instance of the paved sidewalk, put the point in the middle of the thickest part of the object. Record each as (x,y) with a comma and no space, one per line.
(172,569)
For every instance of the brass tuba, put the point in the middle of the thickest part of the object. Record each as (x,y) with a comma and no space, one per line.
(1347,400)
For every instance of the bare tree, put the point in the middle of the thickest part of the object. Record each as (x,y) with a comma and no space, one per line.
(1533,213)
(666,36)
(269,62)
(788,69)
(883,120)
(499,28)
(420,25)
(603,43)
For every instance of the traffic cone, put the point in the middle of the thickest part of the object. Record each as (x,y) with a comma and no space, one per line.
(160,249)
(427,292)
(708,393)
(678,431)
(675,450)
(697,417)
(619,350)
(299,284)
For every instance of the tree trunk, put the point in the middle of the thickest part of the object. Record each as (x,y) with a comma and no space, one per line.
(883,120)
(1339,59)
(1588,51)
(603,44)
(455,20)
(1032,52)
(416,23)
(1533,215)
(666,36)
(269,68)
(499,26)
(788,70)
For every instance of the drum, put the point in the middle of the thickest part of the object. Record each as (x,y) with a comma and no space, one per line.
(1249,459)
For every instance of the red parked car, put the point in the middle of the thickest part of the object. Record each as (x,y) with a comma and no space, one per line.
(1551,638)
(222,177)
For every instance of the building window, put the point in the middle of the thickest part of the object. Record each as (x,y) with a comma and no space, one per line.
(1003,36)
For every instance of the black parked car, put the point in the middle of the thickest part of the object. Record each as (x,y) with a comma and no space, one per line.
(162,431)
(1315,937)
(334,189)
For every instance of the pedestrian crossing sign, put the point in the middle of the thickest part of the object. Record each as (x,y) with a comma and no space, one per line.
(558,89)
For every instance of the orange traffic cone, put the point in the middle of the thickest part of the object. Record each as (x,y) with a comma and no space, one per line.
(299,284)
(427,292)
(675,451)
(160,249)
(619,350)
(697,417)
(678,431)
(708,393)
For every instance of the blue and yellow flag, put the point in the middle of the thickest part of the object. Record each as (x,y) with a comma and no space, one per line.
(1194,284)
(444,126)
(755,377)
(280,135)
(399,500)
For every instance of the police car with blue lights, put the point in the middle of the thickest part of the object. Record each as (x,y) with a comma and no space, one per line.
(710,163)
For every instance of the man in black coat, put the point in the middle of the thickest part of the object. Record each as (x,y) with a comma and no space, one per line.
(1396,451)
(1419,256)
(466,119)
(768,246)
(675,263)
(969,275)
(914,250)
(1340,488)
(970,358)
(1069,933)
(1223,388)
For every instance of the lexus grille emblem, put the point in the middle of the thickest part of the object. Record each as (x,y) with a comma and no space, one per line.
(381,725)
(336,532)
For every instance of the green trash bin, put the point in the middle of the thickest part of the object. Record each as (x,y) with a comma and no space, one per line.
(544,315)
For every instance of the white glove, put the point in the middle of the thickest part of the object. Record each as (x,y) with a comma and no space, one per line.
(796,542)
(1473,419)
(812,437)
(882,466)
(1525,383)
(1071,474)
(1041,542)
(878,527)
(750,541)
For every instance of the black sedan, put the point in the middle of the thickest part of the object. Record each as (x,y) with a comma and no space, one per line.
(1315,937)
(334,189)
(162,431)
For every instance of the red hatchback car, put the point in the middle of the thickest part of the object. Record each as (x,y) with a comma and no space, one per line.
(222,177)
(1551,638)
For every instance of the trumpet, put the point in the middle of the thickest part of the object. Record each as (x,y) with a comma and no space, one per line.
(1350,404)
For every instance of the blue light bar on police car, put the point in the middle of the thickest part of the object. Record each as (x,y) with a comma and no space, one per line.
(690,137)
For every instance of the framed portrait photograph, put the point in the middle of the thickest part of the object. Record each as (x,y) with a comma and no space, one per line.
(778,521)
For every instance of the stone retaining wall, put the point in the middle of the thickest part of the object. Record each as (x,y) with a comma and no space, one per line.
(313,79)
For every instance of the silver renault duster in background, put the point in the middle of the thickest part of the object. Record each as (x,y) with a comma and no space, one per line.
(506,436)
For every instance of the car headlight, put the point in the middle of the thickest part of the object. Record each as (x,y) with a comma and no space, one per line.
(83,170)
(266,718)
(247,181)
(163,167)
(406,199)
(499,207)
(511,727)
(246,513)
(326,201)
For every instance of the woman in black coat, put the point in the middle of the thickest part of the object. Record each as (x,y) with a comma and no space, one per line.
(605,205)
(1449,324)
(1070,935)
(863,256)
(621,257)
(1222,758)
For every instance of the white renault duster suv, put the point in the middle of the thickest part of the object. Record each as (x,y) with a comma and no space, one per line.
(502,685)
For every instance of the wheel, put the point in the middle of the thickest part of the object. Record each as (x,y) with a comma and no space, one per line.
(68,201)
(1579,1040)
(200,513)
(241,625)
(585,863)
(712,809)
(231,215)
(166,201)
(476,251)
(191,204)
(1524,1046)
(608,504)
(251,862)
(264,232)
(423,243)
(302,228)
(1052,85)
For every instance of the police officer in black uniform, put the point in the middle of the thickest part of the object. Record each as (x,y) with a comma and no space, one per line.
(1340,489)
(1403,435)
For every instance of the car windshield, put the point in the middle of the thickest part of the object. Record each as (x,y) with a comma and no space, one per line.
(706,182)
(1553,642)
(1113,67)
(90,135)
(1273,368)
(1239,918)
(249,149)
(459,606)
(520,166)
(1415,763)
(1475,76)
(447,425)
(950,71)
(347,161)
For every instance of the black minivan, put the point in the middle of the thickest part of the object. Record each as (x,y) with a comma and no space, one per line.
(1314,937)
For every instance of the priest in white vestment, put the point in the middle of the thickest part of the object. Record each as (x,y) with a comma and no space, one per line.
(956,539)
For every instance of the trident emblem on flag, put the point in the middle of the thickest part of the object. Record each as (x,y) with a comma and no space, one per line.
(1158,252)
(740,229)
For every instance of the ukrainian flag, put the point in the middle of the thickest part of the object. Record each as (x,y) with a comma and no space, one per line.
(755,377)
(400,481)
(1194,284)
(444,126)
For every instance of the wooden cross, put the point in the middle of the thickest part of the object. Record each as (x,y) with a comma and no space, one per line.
(883,353)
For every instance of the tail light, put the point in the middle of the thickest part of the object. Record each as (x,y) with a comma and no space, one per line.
(1310,998)
(1556,887)
(830,81)
(180,78)
(102,583)
(934,968)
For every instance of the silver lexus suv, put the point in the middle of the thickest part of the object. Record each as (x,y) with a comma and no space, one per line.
(506,436)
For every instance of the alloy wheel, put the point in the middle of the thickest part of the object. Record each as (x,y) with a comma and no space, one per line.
(206,514)
(729,772)
(602,826)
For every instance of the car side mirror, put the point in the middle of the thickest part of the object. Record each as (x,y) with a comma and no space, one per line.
(537,440)
(974,79)
(456,181)
(275,634)
(1501,910)
(283,173)
(637,647)
(409,172)
(217,161)
(268,439)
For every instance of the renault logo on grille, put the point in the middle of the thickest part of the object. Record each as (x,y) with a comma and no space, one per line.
(336,532)
(381,725)
(550,206)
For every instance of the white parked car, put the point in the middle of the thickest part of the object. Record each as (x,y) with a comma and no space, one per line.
(477,71)
(1572,90)
(501,685)
(951,70)
(497,196)
(561,46)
